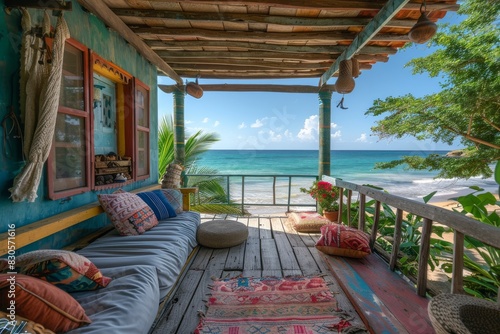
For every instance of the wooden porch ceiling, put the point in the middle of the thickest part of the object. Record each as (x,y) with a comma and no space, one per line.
(263,39)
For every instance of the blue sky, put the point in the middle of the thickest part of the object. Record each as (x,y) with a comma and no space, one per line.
(290,121)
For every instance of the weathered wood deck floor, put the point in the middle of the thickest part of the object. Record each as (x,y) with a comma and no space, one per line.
(273,248)
(383,301)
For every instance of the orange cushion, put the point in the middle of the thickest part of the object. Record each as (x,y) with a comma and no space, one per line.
(341,240)
(41,302)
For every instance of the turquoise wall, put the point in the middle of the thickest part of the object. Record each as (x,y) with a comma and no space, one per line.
(90,31)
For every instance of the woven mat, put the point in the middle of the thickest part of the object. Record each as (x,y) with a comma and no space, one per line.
(273,305)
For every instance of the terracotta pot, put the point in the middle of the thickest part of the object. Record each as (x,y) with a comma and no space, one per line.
(332,216)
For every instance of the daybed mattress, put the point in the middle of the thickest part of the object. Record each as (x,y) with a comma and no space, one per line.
(165,247)
(128,304)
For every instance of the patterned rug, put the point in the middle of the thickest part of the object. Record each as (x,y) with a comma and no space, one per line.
(293,305)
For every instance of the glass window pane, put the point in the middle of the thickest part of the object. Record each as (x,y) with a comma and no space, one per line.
(72,84)
(141,107)
(142,153)
(70,152)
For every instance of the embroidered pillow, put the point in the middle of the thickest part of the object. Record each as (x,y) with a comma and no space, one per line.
(174,197)
(41,302)
(308,222)
(341,240)
(128,212)
(67,270)
(157,201)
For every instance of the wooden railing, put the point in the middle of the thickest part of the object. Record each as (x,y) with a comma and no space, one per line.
(461,225)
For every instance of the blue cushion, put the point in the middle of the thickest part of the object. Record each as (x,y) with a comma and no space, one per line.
(157,201)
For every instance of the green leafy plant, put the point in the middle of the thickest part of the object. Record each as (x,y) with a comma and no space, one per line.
(325,194)
(482,261)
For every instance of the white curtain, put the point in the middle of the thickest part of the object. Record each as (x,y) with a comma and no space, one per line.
(40,114)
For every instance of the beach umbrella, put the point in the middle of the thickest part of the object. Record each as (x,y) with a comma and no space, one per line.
(27,181)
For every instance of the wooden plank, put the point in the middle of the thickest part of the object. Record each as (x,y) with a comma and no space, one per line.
(235,257)
(376,219)
(201,260)
(170,321)
(252,259)
(375,315)
(254,88)
(285,251)
(306,261)
(423,257)
(265,228)
(270,257)
(198,302)
(369,33)
(398,295)
(102,11)
(457,276)
(397,239)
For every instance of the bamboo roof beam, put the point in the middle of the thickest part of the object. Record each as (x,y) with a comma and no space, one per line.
(172,45)
(332,22)
(320,36)
(319,4)
(104,13)
(254,88)
(369,32)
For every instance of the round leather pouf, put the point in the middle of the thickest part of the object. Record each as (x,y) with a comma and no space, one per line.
(221,233)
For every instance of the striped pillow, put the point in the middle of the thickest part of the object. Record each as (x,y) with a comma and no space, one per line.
(174,197)
(157,201)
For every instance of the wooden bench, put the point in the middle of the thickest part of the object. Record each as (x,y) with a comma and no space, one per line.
(36,231)
(385,301)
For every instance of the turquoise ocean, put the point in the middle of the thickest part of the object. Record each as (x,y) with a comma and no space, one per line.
(353,166)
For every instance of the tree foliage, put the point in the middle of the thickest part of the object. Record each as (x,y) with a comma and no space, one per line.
(467,60)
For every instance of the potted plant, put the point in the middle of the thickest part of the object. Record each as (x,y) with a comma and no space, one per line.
(326,195)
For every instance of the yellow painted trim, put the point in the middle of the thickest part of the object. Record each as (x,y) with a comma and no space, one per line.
(36,231)
(185,197)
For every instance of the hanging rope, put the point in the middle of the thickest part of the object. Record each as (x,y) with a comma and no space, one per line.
(26,183)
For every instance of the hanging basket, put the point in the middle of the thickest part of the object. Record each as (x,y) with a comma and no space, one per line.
(345,83)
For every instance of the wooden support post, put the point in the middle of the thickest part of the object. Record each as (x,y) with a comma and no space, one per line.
(349,195)
(179,137)
(397,239)
(458,263)
(376,219)
(423,257)
(325,107)
(341,205)
(361,212)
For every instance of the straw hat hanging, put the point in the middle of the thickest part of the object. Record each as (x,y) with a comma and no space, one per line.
(345,83)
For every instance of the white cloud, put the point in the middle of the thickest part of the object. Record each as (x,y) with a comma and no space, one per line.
(310,130)
(336,134)
(216,124)
(288,134)
(188,122)
(205,120)
(362,138)
(258,123)
(333,125)
(269,136)
(242,125)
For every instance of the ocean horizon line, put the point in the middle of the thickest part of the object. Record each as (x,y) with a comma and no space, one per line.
(307,150)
